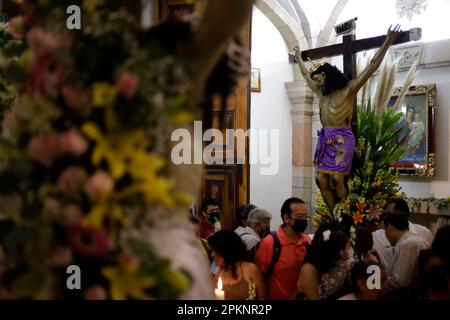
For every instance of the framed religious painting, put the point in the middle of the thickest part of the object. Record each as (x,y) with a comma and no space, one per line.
(255,80)
(418,135)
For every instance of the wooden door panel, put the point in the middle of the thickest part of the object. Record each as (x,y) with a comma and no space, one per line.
(174,9)
(220,184)
(228,183)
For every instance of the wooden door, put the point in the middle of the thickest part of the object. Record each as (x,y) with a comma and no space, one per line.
(178,8)
(227,183)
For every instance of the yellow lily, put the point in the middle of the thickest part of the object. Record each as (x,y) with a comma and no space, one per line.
(182,117)
(127,283)
(103,94)
(105,208)
(117,151)
(91,5)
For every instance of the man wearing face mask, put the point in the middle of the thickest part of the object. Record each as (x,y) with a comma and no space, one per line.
(281,273)
(209,218)
(258,226)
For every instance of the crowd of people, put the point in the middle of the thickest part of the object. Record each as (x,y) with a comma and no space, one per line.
(400,260)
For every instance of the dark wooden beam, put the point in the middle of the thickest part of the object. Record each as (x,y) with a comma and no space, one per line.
(349,57)
(355,46)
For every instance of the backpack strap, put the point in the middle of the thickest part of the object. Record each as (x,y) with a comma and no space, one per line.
(275,256)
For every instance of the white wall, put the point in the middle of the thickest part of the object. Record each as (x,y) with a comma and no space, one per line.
(270,109)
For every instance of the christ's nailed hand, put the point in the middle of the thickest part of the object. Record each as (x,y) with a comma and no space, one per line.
(394,34)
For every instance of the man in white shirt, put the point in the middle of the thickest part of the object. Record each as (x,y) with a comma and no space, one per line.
(258,226)
(381,244)
(406,248)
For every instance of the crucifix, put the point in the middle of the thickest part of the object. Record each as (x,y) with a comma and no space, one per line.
(336,92)
(350,46)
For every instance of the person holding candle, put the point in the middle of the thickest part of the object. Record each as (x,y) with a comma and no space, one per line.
(236,279)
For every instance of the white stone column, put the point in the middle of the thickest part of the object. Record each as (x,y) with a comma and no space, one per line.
(301,98)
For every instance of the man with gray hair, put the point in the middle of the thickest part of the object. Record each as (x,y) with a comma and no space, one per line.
(258,226)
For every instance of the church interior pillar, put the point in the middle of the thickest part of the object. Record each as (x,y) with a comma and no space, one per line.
(301,98)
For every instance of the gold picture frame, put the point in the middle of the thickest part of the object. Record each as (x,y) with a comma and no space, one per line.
(255,80)
(418,138)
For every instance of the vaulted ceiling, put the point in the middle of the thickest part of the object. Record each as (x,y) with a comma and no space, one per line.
(374,17)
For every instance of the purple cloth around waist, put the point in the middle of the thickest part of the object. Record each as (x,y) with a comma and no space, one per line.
(334,151)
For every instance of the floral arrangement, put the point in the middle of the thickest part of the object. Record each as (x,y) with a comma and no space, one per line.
(83,167)
(8,51)
(440,203)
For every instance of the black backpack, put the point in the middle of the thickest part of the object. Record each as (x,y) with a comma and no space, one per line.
(275,255)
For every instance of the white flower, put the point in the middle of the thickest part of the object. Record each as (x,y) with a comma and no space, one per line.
(326,235)
(410,7)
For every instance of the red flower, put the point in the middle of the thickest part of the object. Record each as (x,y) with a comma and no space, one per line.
(47,74)
(88,242)
(360,206)
(127,85)
(96,292)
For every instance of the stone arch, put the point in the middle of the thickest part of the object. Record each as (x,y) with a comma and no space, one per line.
(289,29)
(327,31)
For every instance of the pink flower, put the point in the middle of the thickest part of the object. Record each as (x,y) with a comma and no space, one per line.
(96,292)
(74,143)
(374,211)
(9,119)
(45,148)
(72,215)
(71,180)
(99,185)
(40,41)
(47,74)
(64,40)
(75,99)
(127,85)
(88,242)
(61,256)
(16,27)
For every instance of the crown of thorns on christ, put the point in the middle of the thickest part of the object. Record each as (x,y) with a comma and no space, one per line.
(316,65)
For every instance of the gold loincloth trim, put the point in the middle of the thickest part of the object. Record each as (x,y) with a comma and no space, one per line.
(332,172)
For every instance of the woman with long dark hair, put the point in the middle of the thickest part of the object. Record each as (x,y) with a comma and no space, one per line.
(327,264)
(241,279)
